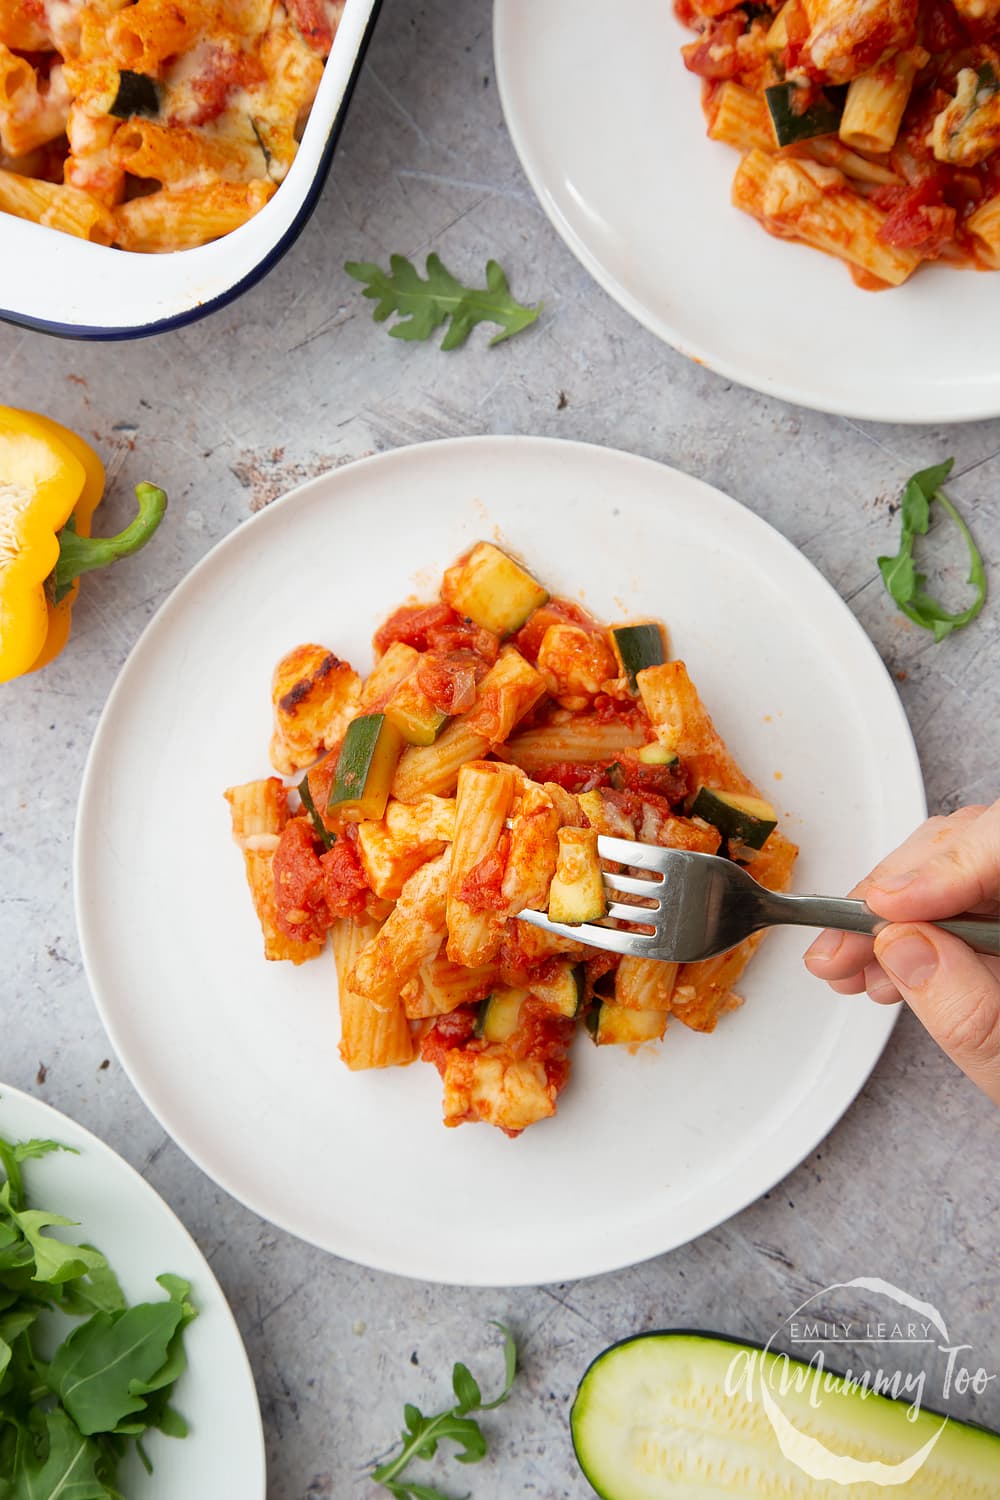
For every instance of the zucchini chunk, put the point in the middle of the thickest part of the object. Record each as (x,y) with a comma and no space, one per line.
(563,993)
(746,820)
(576,893)
(638,646)
(822,117)
(612,1024)
(138,94)
(658,1415)
(418,720)
(492,589)
(365,768)
(657,755)
(499,1014)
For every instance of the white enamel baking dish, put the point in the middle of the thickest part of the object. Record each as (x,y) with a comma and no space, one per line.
(52,281)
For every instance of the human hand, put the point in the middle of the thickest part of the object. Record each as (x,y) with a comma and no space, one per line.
(949,865)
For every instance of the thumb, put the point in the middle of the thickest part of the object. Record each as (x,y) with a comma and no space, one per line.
(954,993)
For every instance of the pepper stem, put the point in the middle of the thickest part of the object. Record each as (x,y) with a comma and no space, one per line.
(79,554)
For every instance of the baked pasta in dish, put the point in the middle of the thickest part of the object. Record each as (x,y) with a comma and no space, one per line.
(158,124)
(868,128)
(466,779)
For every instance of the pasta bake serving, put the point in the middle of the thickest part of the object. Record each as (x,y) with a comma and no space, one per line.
(157,125)
(868,128)
(466,779)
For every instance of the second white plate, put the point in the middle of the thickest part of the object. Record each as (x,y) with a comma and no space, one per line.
(120,1213)
(608,125)
(238,1058)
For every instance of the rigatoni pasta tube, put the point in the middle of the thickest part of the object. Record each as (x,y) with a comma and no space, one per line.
(984,225)
(794,202)
(740,118)
(179,221)
(485,793)
(57,206)
(369,1038)
(875,104)
(258,812)
(178,158)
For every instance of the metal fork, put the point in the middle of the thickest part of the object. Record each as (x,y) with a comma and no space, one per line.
(698,905)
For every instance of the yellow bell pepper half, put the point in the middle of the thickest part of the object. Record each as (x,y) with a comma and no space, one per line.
(51,482)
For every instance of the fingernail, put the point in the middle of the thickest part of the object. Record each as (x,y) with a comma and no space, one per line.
(910,960)
(825,948)
(891,883)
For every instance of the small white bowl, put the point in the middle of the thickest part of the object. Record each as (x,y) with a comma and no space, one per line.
(63,285)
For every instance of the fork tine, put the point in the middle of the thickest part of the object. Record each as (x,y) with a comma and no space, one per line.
(651,889)
(615,941)
(645,915)
(626,852)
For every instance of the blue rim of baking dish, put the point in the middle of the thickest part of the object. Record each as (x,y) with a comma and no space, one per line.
(256,273)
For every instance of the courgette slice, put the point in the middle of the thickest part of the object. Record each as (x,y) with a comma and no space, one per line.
(365,768)
(657,755)
(563,992)
(611,1024)
(418,720)
(638,646)
(138,94)
(492,589)
(327,837)
(746,820)
(821,117)
(499,1014)
(666,1416)
(576,893)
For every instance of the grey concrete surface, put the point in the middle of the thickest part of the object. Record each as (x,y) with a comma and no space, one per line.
(293,378)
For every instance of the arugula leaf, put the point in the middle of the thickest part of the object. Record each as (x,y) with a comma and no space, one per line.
(66,1470)
(99,1372)
(98,1291)
(422,1434)
(30,1150)
(899,574)
(423,305)
(55,1262)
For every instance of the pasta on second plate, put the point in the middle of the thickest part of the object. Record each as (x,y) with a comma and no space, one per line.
(868,128)
(157,125)
(467,779)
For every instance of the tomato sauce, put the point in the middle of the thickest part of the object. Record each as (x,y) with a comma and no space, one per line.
(436,627)
(345,883)
(225,67)
(299,895)
(481,886)
(450,678)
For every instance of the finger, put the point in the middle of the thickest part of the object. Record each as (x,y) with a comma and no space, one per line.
(853,986)
(953,991)
(960,870)
(840,955)
(836,956)
(879,986)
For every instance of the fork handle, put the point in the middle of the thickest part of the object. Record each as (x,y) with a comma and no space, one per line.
(845,915)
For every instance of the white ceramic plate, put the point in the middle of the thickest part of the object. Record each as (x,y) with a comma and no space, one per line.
(69,286)
(608,125)
(238,1058)
(120,1213)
